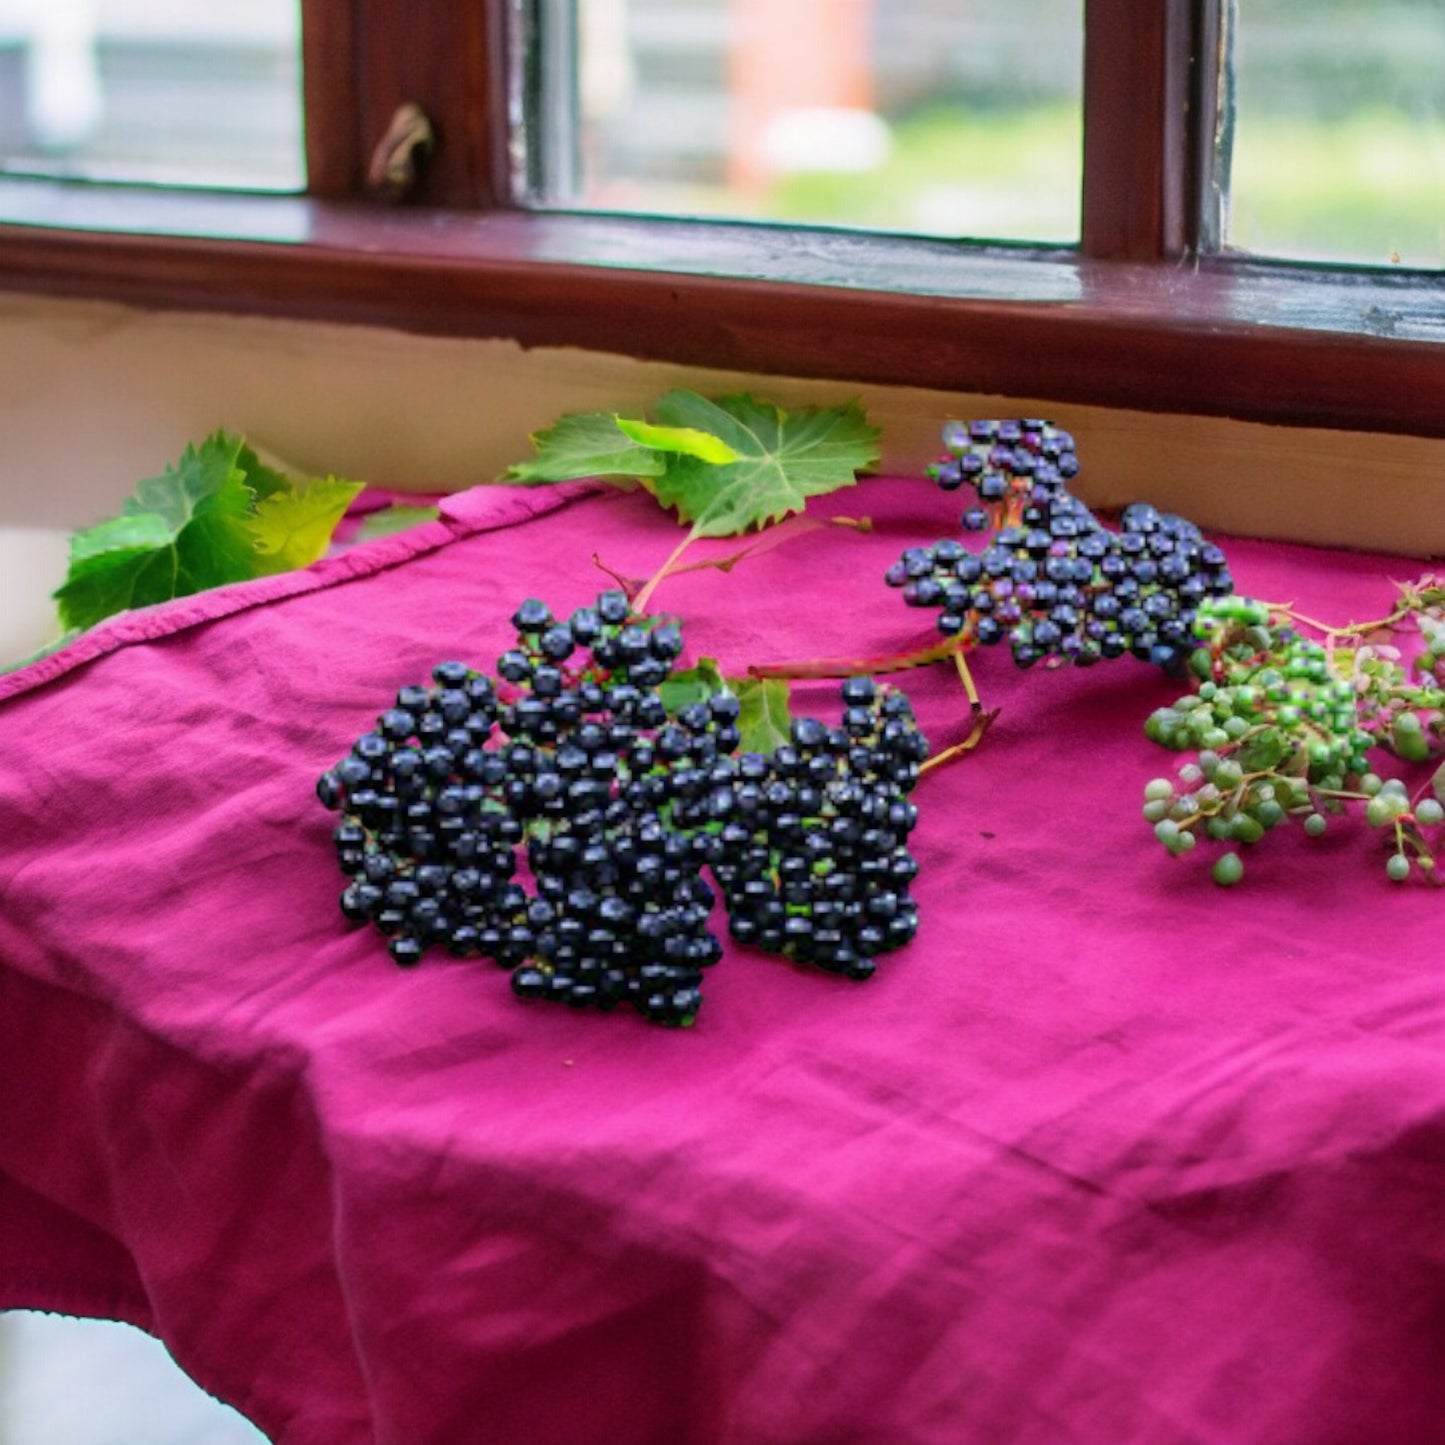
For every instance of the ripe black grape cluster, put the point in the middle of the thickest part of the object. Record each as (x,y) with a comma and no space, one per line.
(569,768)
(813,860)
(1052,580)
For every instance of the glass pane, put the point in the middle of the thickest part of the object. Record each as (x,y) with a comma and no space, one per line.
(940,117)
(1339,138)
(175,92)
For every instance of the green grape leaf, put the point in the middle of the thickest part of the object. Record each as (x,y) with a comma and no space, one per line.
(685,440)
(189,531)
(696,684)
(1263,751)
(62,641)
(764,719)
(263,479)
(140,532)
(784,458)
(399,517)
(292,528)
(586,444)
(220,514)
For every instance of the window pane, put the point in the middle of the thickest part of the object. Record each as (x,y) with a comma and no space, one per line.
(176,92)
(1339,144)
(940,117)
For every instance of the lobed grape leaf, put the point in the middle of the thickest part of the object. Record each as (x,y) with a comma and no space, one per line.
(684,440)
(398,517)
(292,528)
(264,479)
(586,444)
(218,515)
(765,719)
(783,459)
(179,533)
(696,684)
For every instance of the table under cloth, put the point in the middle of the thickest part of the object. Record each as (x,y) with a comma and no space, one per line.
(1108,1155)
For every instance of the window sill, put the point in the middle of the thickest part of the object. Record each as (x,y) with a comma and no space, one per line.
(1290,345)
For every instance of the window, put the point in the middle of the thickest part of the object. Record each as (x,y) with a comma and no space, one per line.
(916,116)
(1339,131)
(158,91)
(1152,305)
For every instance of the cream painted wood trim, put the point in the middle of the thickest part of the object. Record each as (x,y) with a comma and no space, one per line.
(94,396)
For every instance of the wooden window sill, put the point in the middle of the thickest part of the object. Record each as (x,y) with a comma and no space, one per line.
(1292,345)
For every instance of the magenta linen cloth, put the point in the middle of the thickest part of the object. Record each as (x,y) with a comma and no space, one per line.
(1108,1156)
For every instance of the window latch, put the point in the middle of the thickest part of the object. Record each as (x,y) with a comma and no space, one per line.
(401,154)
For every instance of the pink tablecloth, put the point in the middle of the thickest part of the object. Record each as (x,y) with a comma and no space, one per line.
(1108,1156)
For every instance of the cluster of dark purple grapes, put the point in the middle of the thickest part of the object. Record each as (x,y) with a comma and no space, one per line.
(572,761)
(813,862)
(1053,580)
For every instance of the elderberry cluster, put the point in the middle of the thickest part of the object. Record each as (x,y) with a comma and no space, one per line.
(427,841)
(571,755)
(813,862)
(1053,580)
(571,761)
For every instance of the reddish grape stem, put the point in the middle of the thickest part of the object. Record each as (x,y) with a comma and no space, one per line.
(861,666)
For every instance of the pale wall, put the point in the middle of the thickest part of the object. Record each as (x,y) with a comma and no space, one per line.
(94,397)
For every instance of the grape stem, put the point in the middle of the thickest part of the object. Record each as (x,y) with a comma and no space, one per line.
(774,537)
(1354,629)
(975,707)
(829,667)
(629,585)
(639,603)
(982,722)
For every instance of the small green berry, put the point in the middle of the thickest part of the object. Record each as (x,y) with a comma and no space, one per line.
(1269,812)
(1228,869)
(1316,824)
(1228,774)
(1398,868)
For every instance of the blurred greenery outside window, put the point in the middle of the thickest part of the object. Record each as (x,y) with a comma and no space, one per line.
(1338,147)
(963,118)
(930,117)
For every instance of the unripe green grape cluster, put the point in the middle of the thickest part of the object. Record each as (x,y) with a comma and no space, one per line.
(1401,712)
(1278,732)
(1431,661)
(1267,698)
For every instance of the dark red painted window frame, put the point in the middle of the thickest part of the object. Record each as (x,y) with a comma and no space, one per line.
(1140,315)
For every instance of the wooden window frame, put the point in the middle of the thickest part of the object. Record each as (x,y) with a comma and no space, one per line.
(1140,315)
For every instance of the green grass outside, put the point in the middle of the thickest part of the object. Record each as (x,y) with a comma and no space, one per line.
(1367,188)
(1011,175)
